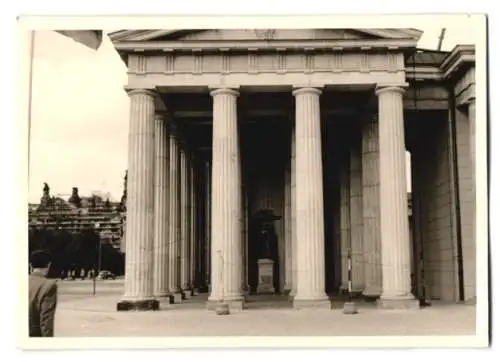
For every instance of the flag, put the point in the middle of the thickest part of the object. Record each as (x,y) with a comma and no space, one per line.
(89,38)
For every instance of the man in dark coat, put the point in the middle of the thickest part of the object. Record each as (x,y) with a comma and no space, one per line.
(42,296)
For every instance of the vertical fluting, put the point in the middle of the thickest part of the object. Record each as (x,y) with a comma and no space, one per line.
(140,197)
(160,250)
(472,145)
(173,213)
(345,220)
(288,230)
(226,198)
(309,197)
(293,213)
(193,223)
(185,214)
(356,211)
(208,224)
(395,243)
(371,209)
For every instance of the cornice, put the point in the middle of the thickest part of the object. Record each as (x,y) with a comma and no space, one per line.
(263,45)
(152,34)
(462,56)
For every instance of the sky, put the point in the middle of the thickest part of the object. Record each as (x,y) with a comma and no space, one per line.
(80,114)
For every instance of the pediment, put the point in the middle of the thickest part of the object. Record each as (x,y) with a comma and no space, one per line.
(263,34)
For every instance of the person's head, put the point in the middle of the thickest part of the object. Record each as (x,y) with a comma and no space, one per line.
(40,260)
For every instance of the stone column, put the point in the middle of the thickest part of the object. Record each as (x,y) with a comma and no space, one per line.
(138,293)
(371,209)
(309,201)
(185,214)
(208,225)
(173,219)
(395,239)
(356,218)
(226,201)
(293,213)
(345,221)
(472,125)
(193,249)
(160,249)
(288,232)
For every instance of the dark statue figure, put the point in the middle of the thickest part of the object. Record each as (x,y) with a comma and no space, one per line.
(46,200)
(267,235)
(75,198)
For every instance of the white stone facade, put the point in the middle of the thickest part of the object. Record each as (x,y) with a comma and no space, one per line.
(231,99)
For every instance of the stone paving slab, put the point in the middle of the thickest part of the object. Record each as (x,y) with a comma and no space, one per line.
(96,316)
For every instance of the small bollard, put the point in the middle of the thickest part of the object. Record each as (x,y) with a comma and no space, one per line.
(350,308)
(222,308)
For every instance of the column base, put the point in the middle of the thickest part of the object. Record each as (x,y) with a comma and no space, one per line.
(312,304)
(186,294)
(233,305)
(371,293)
(176,298)
(164,299)
(407,303)
(287,291)
(138,305)
(195,291)
(471,301)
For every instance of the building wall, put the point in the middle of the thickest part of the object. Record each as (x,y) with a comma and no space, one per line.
(434,207)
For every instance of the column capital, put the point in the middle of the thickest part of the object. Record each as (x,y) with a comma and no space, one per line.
(382,88)
(214,90)
(307,89)
(160,115)
(136,91)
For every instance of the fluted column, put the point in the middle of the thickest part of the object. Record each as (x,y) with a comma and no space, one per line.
(193,225)
(345,221)
(395,240)
(356,210)
(208,225)
(226,201)
(293,213)
(371,209)
(309,201)
(160,249)
(472,125)
(185,215)
(174,218)
(288,232)
(140,204)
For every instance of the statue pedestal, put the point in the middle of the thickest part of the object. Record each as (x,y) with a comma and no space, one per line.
(266,276)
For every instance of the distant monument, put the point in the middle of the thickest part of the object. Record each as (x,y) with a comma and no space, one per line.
(123,201)
(267,251)
(74,198)
(46,200)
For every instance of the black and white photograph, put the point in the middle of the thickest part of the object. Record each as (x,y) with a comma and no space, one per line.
(255,178)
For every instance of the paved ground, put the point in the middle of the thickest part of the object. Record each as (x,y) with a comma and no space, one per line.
(80,314)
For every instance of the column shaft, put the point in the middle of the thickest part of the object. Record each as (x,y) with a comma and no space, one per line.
(356,210)
(140,204)
(309,201)
(173,215)
(293,213)
(192,223)
(345,220)
(185,215)
(226,200)
(396,267)
(288,231)
(160,250)
(371,209)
